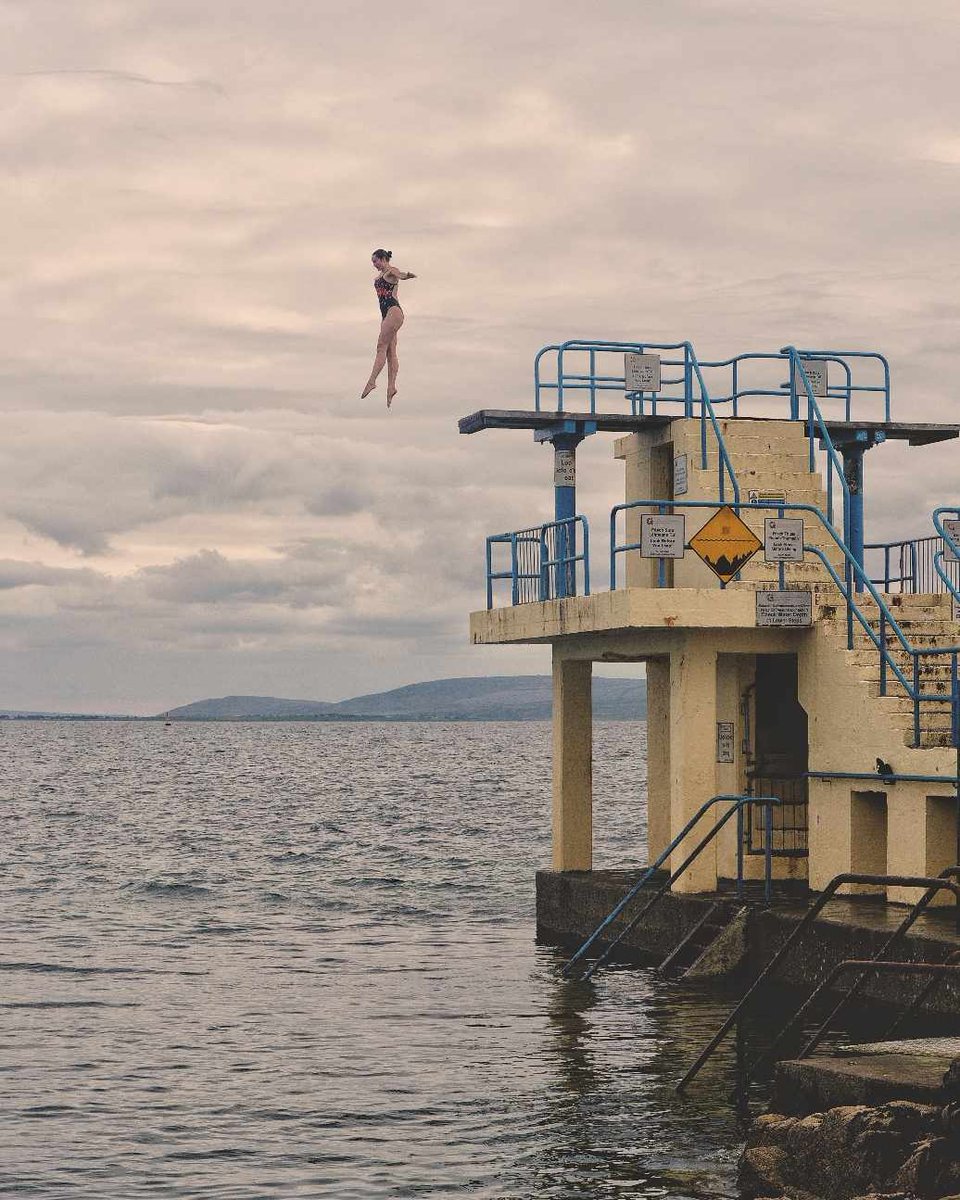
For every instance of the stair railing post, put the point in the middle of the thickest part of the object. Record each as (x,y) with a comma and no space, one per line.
(768,852)
(740,832)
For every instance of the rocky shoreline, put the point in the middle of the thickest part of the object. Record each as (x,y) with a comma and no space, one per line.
(900,1150)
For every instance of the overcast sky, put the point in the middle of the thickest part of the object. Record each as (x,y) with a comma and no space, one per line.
(193,499)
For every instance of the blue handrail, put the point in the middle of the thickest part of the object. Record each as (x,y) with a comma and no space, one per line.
(534,574)
(816,422)
(739,801)
(855,575)
(589,379)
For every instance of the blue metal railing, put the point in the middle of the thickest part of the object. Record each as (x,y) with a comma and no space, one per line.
(543,561)
(847,585)
(690,374)
(677,392)
(592,372)
(923,565)
(739,803)
(816,427)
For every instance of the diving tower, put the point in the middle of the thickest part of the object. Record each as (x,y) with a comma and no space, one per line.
(789,659)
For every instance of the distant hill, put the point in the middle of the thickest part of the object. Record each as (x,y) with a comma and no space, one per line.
(487,698)
(242,708)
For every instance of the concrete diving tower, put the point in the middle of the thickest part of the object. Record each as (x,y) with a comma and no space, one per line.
(786,655)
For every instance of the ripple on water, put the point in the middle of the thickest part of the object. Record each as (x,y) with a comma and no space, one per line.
(270,960)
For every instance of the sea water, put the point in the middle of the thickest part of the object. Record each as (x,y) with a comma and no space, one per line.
(299,960)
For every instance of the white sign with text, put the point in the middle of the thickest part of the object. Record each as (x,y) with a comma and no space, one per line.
(662,537)
(793,608)
(816,372)
(680,475)
(564,468)
(642,372)
(783,539)
(953,530)
(725,742)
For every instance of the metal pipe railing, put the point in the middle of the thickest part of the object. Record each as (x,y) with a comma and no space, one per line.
(932,886)
(738,802)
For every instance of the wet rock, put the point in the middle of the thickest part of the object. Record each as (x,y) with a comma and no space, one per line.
(951,1081)
(761,1171)
(852,1151)
(932,1171)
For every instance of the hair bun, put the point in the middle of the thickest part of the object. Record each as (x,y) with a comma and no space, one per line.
(389,254)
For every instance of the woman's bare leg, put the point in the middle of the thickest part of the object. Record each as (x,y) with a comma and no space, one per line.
(393,366)
(388,331)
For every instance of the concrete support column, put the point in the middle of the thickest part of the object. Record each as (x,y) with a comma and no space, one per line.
(658,757)
(693,768)
(922,837)
(572,765)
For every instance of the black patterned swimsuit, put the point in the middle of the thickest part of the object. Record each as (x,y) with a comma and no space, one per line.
(384,290)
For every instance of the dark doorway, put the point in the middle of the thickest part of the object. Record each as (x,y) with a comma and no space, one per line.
(780,752)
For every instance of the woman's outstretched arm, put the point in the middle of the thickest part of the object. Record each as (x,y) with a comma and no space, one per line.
(392,270)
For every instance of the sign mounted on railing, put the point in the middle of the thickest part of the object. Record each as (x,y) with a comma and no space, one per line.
(793,608)
(641,372)
(726,544)
(680,475)
(953,531)
(783,539)
(662,537)
(816,371)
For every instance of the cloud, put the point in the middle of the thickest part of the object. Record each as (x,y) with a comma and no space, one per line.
(187,475)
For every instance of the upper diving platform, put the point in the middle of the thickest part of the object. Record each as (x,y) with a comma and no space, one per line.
(588,386)
(913,432)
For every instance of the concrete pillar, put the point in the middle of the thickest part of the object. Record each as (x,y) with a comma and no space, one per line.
(693,732)
(658,757)
(922,837)
(572,765)
(731,777)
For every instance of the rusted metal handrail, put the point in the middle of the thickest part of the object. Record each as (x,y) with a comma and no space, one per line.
(918,1000)
(949,966)
(931,884)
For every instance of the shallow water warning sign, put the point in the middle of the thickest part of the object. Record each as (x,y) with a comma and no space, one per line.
(726,544)
(793,608)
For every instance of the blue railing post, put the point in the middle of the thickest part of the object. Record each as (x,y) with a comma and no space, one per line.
(768,852)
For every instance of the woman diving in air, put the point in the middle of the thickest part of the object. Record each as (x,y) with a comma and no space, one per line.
(391,315)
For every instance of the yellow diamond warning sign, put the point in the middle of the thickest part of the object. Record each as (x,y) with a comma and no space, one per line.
(725,544)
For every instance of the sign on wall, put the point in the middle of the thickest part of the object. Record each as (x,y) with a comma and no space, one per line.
(725,742)
(783,539)
(680,475)
(792,608)
(642,372)
(662,537)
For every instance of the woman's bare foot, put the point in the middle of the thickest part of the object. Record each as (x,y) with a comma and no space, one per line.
(390,396)
(367,390)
